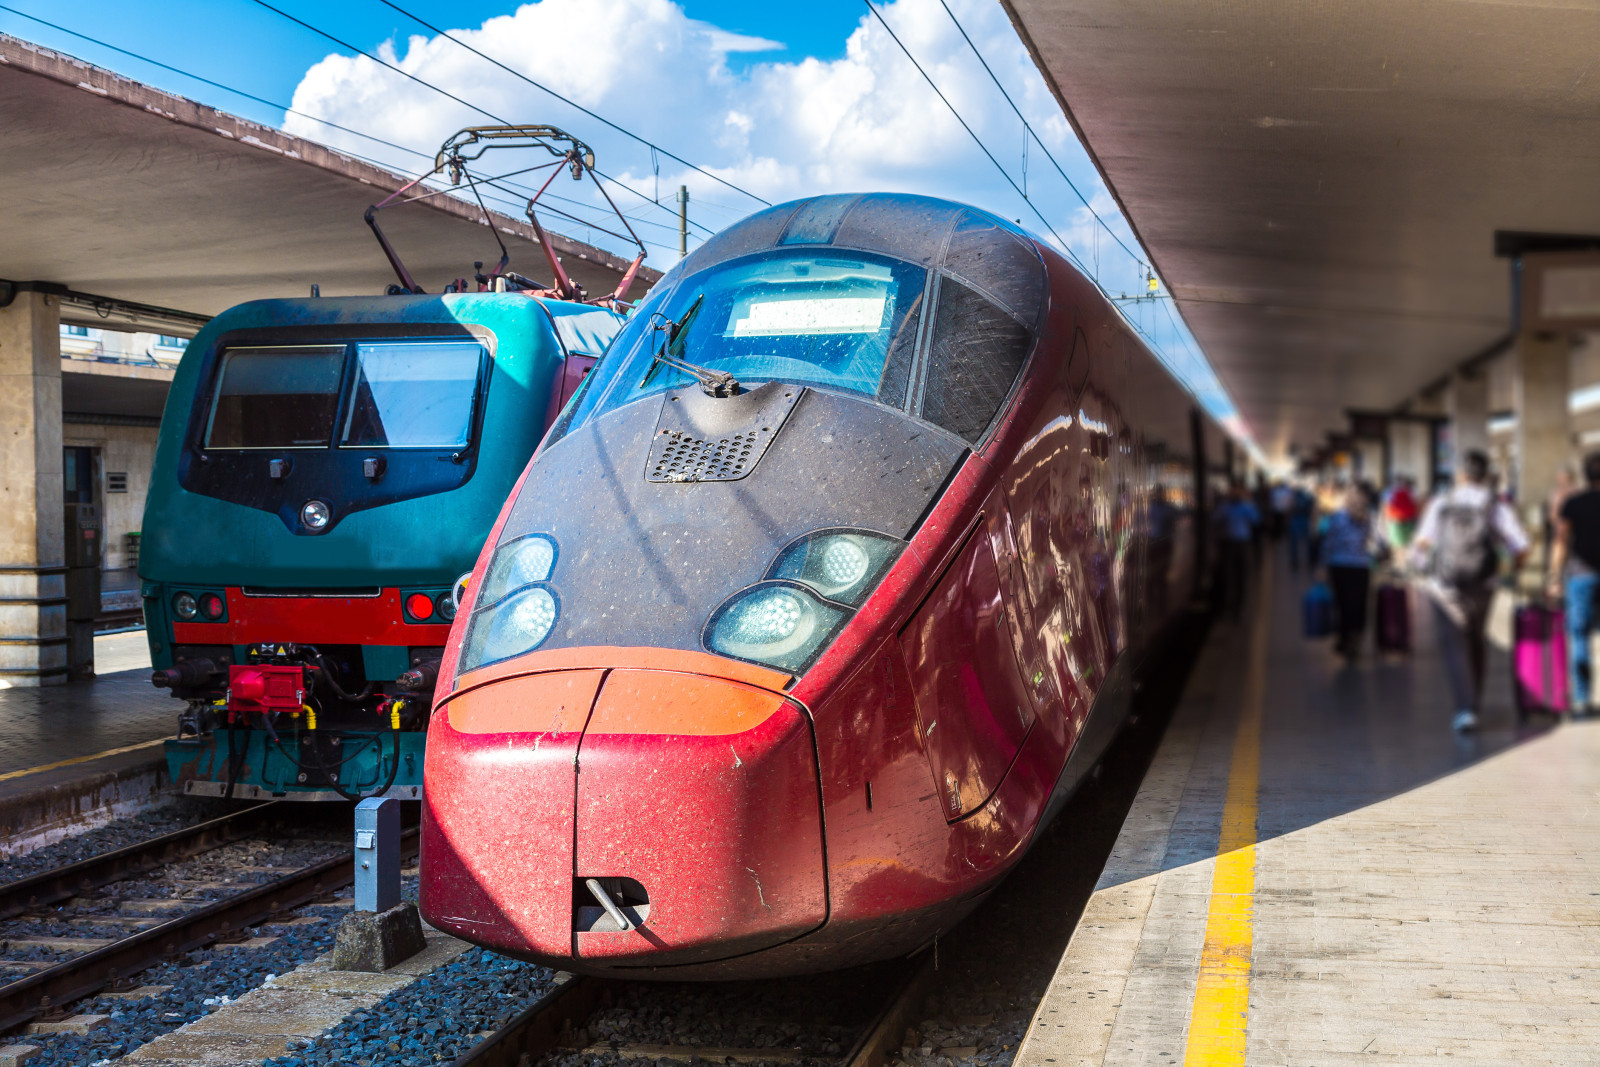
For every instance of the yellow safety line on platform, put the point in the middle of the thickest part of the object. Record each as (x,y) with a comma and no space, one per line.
(1221,1009)
(82,759)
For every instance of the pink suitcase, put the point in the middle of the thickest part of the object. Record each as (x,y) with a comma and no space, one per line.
(1539,660)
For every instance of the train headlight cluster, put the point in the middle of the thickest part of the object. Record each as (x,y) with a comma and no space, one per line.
(516,609)
(809,592)
(516,564)
(518,624)
(842,565)
(776,623)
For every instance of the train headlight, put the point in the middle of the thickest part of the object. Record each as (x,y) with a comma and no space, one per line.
(515,625)
(445,605)
(518,563)
(775,623)
(314,514)
(842,565)
(184,606)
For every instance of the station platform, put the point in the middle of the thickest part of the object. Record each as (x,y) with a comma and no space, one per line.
(118,708)
(1317,870)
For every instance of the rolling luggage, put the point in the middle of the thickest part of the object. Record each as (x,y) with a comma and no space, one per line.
(1394,618)
(1317,610)
(1539,660)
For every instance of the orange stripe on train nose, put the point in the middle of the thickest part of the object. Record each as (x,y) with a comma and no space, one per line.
(657,702)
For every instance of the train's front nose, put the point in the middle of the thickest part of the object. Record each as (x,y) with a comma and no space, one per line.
(630,813)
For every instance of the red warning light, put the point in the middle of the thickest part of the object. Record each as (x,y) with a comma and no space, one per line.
(419,606)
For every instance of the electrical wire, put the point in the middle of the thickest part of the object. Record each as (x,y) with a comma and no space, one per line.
(286,109)
(1029,128)
(1135,326)
(429,85)
(970,132)
(545,88)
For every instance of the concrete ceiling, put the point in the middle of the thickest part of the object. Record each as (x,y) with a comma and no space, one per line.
(116,189)
(1319,184)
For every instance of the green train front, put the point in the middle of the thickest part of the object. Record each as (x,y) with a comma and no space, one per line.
(327,469)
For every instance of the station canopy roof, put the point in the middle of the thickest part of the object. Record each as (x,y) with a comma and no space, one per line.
(1320,185)
(115,189)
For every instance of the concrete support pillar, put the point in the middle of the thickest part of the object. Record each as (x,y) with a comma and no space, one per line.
(1467,403)
(33,611)
(1410,445)
(1541,388)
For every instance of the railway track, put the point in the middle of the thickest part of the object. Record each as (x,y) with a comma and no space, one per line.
(105,963)
(555,1022)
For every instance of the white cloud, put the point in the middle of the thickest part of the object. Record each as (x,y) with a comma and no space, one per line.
(781,128)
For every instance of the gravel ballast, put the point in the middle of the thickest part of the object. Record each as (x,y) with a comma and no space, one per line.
(434,1019)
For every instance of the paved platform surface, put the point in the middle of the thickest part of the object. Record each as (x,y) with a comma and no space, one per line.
(1317,871)
(119,707)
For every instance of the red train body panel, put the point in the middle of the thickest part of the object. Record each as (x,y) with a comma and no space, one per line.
(750,808)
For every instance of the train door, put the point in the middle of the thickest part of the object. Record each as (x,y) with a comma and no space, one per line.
(973,708)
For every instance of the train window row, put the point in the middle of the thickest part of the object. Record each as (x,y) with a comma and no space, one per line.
(403,394)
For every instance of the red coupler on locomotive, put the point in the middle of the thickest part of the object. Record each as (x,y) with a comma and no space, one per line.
(266,687)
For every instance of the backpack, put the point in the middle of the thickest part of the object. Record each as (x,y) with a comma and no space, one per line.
(1465,554)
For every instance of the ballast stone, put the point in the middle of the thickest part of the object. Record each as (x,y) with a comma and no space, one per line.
(376,941)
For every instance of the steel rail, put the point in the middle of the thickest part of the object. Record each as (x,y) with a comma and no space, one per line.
(543,1025)
(539,1027)
(83,975)
(62,883)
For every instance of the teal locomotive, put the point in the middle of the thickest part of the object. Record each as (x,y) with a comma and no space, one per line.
(327,469)
(326,474)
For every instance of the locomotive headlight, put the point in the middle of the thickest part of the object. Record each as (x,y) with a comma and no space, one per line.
(517,624)
(518,563)
(185,606)
(314,514)
(842,565)
(775,623)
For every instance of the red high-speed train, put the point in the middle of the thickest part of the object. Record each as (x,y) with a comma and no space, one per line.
(814,606)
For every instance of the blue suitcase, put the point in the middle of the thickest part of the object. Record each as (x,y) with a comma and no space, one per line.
(1317,610)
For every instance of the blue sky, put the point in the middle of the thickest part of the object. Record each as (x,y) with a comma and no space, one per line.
(780,99)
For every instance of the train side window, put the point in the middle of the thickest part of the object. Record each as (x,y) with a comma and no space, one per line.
(978,349)
(415,394)
(281,397)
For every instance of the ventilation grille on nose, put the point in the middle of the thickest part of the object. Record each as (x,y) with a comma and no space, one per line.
(717,439)
(679,456)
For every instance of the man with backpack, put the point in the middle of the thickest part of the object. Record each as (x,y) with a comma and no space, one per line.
(1575,571)
(1465,527)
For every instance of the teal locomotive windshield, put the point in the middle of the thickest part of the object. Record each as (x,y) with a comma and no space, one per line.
(278,397)
(413,395)
(840,320)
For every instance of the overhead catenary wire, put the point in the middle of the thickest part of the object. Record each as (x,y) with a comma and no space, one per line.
(1029,132)
(1066,249)
(970,132)
(571,103)
(288,110)
(427,85)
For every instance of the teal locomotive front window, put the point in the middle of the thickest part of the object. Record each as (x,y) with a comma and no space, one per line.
(401,394)
(278,397)
(413,395)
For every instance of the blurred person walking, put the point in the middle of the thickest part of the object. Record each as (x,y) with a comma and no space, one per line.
(1238,521)
(1574,574)
(1302,509)
(1464,528)
(1347,559)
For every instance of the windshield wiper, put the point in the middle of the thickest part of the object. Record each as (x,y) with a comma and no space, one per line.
(715,383)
